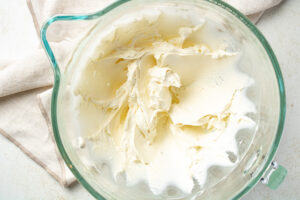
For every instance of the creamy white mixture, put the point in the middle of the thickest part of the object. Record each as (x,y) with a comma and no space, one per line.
(161,99)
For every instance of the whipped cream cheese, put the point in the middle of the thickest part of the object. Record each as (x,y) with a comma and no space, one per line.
(160,99)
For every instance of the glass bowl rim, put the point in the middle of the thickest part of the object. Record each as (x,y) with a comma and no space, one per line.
(100,13)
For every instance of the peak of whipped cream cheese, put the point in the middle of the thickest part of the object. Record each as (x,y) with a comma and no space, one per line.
(160,99)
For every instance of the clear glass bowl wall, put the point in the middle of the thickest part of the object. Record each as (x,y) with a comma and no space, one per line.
(256,149)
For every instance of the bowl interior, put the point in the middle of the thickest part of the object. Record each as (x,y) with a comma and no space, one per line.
(256,146)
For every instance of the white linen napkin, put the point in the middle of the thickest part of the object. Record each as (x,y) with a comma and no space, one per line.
(26,76)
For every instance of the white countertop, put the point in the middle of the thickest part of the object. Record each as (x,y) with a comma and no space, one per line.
(21,178)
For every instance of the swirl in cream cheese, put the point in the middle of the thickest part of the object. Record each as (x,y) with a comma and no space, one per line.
(161,100)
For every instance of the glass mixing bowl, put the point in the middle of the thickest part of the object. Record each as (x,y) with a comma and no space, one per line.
(256,147)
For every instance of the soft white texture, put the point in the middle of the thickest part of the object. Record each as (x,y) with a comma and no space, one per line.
(161,99)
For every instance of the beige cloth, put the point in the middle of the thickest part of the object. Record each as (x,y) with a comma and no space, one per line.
(26,76)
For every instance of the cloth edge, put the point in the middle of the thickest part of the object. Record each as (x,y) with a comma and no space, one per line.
(50,131)
(30,155)
(255,18)
(35,21)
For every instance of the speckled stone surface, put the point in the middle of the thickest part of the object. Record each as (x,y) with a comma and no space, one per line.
(21,178)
